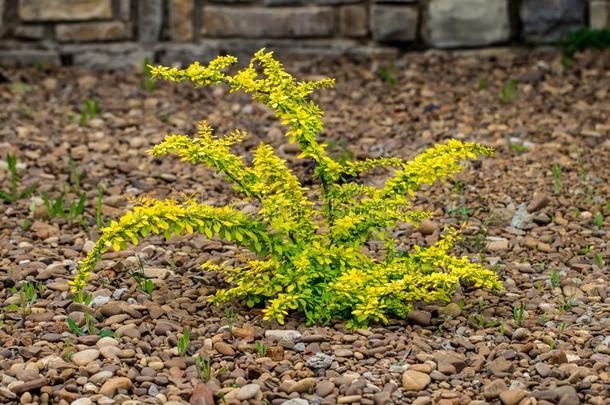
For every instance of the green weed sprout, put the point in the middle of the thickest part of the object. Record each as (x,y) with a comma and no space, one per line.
(15,193)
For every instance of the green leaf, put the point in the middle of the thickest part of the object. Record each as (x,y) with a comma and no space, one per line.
(74,327)
(106,333)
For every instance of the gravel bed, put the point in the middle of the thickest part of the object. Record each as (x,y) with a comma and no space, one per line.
(538,212)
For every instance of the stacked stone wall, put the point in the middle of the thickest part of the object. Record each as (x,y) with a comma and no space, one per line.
(122,33)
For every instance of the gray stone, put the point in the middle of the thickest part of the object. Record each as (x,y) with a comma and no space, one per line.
(296,401)
(27,31)
(107,56)
(272,3)
(119,292)
(390,23)
(1,18)
(99,301)
(522,219)
(320,361)
(185,54)
(599,14)
(467,23)
(125,10)
(150,19)
(267,23)
(521,333)
(247,391)
(547,21)
(82,401)
(283,334)
(29,57)
(336,2)
(61,10)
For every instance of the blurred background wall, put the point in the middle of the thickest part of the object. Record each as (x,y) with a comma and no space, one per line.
(121,33)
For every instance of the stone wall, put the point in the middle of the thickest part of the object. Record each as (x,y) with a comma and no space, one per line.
(121,33)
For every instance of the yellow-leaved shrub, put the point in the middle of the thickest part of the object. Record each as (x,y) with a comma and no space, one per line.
(309,256)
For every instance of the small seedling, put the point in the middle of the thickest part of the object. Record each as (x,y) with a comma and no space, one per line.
(204,368)
(68,351)
(458,187)
(20,87)
(107,333)
(74,328)
(90,110)
(261,349)
(148,286)
(556,171)
(508,93)
(585,250)
(565,305)
(14,193)
(88,328)
(143,283)
(231,318)
(479,242)
(502,329)
(481,305)
(388,75)
(461,303)
(98,210)
(599,261)
(184,342)
(480,321)
(28,294)
(555,279)
(149,83)
(552,344)
(82,297)
(25,111)
(599,220)
(340,150)
(519,313)
(518,148)
(90,324)
(75,175)
(58,209)
(562,327)
(482,84)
